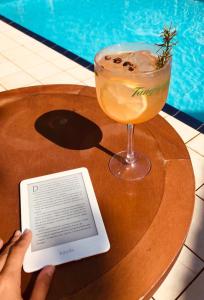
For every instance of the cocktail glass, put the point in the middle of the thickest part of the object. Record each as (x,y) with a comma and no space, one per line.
(131,90)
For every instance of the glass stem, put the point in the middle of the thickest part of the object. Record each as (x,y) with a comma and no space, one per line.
(130,159)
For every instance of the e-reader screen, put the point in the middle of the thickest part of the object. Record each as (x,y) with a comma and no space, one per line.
(60,211)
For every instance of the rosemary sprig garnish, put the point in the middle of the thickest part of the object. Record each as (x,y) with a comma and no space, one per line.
(167,36)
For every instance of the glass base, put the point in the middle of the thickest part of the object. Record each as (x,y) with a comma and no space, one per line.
(135,171)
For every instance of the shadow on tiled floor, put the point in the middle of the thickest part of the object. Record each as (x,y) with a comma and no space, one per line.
(195,242)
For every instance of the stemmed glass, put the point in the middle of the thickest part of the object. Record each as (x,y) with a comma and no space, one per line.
(131,90)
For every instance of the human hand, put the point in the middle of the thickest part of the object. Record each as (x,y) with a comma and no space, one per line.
(11,260)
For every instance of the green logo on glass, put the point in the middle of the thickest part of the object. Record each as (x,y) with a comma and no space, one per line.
(139,90)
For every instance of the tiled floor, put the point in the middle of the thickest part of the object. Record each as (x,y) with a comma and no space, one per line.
(25,61)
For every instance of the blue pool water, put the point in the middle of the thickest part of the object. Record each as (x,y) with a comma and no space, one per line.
(85,26)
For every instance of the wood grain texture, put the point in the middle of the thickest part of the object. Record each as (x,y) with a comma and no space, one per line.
(48,129)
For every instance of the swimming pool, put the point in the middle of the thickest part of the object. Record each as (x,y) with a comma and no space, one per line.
(85,26)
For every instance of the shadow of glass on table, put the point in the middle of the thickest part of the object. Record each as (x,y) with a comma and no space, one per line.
(71,130)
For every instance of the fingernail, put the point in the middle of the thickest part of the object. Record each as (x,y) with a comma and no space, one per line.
(50,270)
(26,231)
(17,233)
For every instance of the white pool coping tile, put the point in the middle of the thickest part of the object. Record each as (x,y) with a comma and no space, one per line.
(24,40)
(45,52)
(3,59)
(4,27)
(16,53)
(8,68)
(6,43)
(195,240)
(163,114)
(190,261)
(28,61)
(81,74)
(196,290)
(2,88)
(198,167)
(197,144)
(41,71)
(65,63)
(90,82)
(184,270)
(200,192)
(60,78)
(16,80)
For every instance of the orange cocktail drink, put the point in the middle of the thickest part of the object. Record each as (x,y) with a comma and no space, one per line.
(131,90)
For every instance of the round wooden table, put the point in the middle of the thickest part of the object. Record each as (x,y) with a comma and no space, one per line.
(47,129)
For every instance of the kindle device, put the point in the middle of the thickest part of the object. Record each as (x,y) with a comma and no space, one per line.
(62,211)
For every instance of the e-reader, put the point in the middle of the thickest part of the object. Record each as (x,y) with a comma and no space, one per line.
(63,214)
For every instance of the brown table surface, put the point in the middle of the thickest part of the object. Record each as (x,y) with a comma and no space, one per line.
(48,129)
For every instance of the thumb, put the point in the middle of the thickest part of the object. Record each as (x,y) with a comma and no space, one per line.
(42,283)
(16,253)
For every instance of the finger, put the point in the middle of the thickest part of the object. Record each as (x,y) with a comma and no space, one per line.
(42,283)
(1,243)
(6,248)
(17,252)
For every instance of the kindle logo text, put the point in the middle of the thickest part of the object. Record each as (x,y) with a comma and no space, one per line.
(66,251)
